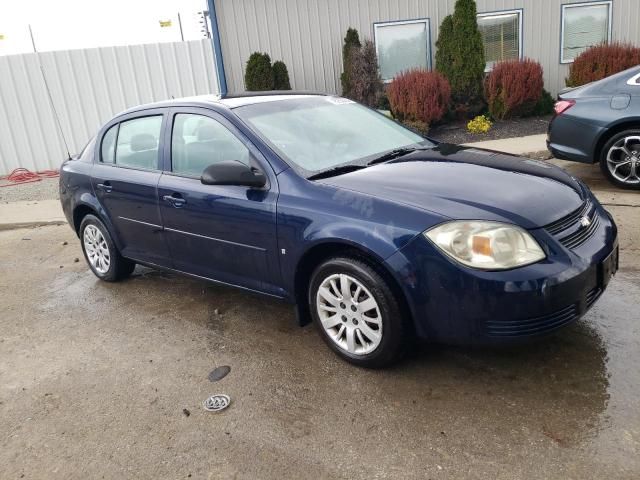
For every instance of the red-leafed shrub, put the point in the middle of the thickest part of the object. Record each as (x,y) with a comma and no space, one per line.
(601,61)
(513,88)
(419,96)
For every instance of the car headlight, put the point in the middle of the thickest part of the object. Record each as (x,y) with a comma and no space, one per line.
(486,245)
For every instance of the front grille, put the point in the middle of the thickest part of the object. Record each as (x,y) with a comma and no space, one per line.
(566,222)
(592,296)
(582,235)
(579,234)
(544,323)
(532,326)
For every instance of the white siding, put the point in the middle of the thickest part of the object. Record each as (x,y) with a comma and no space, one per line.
(88,87)
(307,34)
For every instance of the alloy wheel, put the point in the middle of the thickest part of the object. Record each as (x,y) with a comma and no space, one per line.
(97,249)
(623,160)
(349,314)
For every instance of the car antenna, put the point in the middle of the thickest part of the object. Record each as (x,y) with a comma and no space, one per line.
(55,112)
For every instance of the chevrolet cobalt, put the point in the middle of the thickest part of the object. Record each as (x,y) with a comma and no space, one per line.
(376,234)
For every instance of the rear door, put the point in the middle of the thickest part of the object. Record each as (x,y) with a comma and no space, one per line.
(125,179)
(222,232)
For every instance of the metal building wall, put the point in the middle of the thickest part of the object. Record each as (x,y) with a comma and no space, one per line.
(307,34)
(88,87)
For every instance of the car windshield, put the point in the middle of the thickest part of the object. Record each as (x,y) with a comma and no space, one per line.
(320,133)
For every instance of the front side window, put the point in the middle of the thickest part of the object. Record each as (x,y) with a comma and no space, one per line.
(137,144)
(584,25)
(315,134)
(198,141)
(401,46)
(501,35)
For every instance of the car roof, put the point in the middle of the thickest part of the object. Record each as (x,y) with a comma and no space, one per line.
(229,101)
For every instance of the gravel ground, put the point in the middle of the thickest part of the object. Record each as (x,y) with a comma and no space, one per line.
(46,189)
(456,132)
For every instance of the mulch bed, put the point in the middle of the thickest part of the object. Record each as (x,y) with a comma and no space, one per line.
(456,132)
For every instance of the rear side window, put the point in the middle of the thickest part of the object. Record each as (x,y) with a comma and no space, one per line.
(634,81)
(137,143)
(198,141)
(108,148)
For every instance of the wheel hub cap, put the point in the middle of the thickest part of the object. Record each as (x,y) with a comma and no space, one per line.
(623,160)
(97,249)
(349,314)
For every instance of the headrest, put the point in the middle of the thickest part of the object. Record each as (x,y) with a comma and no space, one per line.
(143,141)
(207,133)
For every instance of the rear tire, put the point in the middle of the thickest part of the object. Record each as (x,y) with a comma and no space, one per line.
(101,253)
(357,313)
(620,159)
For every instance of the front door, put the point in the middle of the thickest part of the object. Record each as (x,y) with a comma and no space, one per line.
(222,232)
(125,179)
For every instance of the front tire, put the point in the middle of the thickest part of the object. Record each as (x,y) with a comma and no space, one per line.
(101,253)
(620,159)
(356,312)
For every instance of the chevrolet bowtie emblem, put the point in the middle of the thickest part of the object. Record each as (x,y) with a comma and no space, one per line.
(585,222)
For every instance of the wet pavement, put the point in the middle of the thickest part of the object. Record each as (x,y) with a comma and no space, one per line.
(105,380)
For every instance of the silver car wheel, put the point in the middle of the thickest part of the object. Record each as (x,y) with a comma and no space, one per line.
(97,249)
(623,160)
(349,314)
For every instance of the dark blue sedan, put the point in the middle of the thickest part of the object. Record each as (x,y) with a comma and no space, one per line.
(376,234)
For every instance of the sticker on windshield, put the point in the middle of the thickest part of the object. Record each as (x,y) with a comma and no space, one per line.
(339,100)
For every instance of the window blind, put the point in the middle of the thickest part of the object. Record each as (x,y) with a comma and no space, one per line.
(583,27)
(501,37)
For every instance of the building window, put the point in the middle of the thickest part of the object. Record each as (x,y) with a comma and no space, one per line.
(402,46)
(584,25)
(502,36)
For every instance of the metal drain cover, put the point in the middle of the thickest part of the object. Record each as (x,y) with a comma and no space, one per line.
(219,373)
(216,402)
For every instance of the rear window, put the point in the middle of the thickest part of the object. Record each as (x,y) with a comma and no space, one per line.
(87,151)
(137,143)
(108,148)
(133,143)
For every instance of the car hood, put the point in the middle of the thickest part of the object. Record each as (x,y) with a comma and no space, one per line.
(467,183)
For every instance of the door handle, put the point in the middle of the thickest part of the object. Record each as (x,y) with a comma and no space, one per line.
(106,187)
(176,200)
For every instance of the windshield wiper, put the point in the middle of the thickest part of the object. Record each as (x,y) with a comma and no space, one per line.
(398,152)
(332,172)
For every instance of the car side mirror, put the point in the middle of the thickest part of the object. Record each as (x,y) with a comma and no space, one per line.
(233,172)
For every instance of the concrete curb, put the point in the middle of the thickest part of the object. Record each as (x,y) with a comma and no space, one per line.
(31,214)
(514,146)
(18,225)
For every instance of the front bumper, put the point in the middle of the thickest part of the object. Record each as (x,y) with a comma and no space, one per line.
(454,304)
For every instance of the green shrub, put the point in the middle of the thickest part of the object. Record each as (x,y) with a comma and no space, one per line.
(280,76)
(366,85)
(258,75)
(383,101)
(545,105)
(460,57)
(351,45)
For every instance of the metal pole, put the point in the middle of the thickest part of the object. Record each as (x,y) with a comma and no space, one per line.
(180,25)
(217,48)
(33,42)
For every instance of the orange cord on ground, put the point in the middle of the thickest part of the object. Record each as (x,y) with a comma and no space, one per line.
(22,175)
